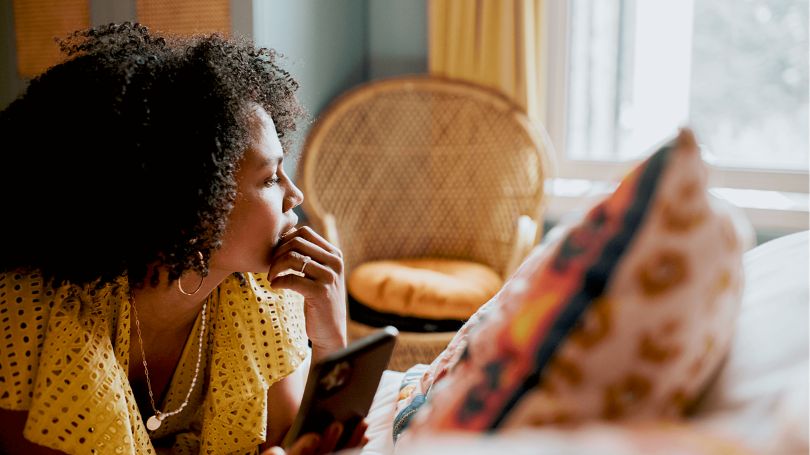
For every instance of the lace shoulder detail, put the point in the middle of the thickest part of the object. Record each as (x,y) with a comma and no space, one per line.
(61,366)
(259,338)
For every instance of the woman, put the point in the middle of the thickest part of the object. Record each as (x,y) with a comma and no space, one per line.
(145,295)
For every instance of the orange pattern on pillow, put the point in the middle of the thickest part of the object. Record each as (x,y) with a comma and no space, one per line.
(627,317)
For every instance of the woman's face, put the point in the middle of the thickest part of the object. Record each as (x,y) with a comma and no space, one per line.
(262,211)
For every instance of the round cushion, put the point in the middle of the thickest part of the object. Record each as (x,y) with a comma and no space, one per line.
(424,288)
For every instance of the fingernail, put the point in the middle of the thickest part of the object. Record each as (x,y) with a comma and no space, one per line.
(314,441)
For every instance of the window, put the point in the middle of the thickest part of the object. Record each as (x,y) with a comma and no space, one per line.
(625,74)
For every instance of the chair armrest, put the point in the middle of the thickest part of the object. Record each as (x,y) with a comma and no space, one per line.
(525,235)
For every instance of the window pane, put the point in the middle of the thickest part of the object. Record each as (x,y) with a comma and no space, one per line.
(736,71)
(749,81)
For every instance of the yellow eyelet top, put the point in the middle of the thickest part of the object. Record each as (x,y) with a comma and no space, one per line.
(65,355)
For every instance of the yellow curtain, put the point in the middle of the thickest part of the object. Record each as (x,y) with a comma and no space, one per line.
(496,43)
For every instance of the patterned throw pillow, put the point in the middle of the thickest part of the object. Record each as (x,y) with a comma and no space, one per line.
(627,316)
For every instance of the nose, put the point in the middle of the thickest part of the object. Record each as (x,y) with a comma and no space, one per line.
(294,197)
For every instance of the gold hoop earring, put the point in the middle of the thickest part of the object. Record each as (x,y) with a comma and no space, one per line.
(199,285)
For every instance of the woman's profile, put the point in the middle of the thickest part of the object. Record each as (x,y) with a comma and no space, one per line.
(146,303)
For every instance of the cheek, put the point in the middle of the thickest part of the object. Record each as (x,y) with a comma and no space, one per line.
(257,221)
(253,229)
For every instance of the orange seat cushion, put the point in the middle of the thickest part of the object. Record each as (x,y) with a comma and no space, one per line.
(424,288)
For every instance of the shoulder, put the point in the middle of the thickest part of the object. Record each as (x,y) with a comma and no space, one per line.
(61,362)
(34,314)
(255,288)
(269,321)
(25,308)
(20,290)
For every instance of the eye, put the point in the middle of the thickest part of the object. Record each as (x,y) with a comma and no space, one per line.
(272,181)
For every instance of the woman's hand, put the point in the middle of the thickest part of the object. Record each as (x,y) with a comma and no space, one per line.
(322,284)
(313,444)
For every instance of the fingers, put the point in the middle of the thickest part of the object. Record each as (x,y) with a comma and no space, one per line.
(324,266)
(330,438)
(303,286)
(358,438)
(309,234)
(313,444)
(305,445)
(291,254)
(295,260)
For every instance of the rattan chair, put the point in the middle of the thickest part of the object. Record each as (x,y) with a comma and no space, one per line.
(425,167)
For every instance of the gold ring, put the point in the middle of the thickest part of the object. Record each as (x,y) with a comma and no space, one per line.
(304,266)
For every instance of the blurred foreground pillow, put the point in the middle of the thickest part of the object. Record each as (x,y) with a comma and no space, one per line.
(642,438)
(627,316)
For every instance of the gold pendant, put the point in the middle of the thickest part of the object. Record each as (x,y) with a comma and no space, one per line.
(153,423)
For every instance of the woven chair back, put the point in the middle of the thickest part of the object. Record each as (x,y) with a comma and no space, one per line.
(424,167)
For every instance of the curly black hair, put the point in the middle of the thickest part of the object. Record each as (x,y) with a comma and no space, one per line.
(125,154)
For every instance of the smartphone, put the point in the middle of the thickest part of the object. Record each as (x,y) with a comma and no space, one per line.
(342,385)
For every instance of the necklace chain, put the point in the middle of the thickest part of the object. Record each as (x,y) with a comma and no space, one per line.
(154,422)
